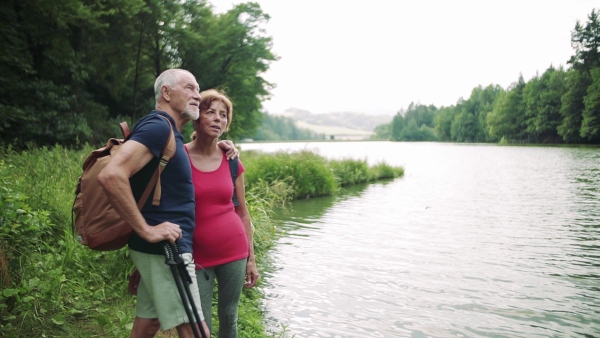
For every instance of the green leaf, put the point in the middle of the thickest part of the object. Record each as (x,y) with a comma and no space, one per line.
(10,292)
(103,320)
(102,309)
(58,319)
(34,282)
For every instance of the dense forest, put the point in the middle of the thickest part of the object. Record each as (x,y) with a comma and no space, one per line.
(562,105)
(71,69)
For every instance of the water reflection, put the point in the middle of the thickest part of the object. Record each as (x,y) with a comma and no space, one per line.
(474,241)
(313,208)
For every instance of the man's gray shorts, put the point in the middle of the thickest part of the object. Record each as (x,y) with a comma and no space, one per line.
(158,296)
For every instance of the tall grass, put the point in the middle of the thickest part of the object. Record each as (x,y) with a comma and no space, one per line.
(54,287)
(311,175)
(307,172)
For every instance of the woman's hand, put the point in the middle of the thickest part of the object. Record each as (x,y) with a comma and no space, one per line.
(251,274)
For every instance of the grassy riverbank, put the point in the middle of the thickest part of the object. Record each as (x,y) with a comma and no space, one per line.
(54,287)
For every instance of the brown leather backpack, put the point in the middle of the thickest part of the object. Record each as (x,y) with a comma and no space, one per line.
(97,224)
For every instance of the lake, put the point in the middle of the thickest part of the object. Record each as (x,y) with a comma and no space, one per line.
(475,240)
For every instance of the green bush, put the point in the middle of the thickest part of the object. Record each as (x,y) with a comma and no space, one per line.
(384,171)
(38,295)
(48,177)
(21,230)
(307,173)
(350,172)
(54,284)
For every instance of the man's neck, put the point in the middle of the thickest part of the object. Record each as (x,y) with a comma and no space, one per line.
(179,120)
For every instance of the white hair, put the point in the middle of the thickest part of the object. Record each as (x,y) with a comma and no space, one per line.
(167,78)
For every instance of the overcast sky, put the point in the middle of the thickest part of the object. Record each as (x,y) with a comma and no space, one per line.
(378,56)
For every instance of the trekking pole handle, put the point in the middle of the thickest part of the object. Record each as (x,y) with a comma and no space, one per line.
(169,250)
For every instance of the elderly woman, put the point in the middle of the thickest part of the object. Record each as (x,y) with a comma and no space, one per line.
(223,238)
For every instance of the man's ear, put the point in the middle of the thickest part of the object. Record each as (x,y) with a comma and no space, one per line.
(166,93)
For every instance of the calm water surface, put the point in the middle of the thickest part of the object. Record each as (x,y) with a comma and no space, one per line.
(474,241)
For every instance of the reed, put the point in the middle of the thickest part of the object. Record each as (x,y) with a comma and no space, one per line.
(307,173)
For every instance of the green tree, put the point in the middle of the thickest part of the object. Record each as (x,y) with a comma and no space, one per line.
(74,69)
(42,71)
(411,132)
(468,122)
(485,103)
(427,133)
(585,39)
(443,123)
(507,118)
(414,124)
(398,124)
(572,106)
(464,127)
(590,126)
(542,96)
(422,114)
(382,132)
(229,51)
(125,56)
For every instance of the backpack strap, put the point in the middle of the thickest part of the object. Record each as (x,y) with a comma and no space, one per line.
(233,169)
(168,153)
(124,129)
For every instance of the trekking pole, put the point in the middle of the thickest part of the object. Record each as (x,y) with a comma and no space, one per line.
(182,279)
(183,273)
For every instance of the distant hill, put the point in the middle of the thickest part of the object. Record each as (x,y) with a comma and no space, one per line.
(341,125)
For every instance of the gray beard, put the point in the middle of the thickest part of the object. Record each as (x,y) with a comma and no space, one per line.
(192,115)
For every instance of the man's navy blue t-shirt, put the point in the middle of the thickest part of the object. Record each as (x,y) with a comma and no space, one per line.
(177,199)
